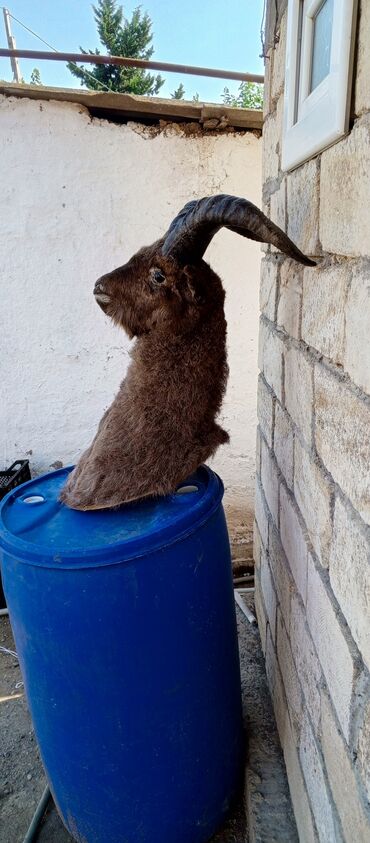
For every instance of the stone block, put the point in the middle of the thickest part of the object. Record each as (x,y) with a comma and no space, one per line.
(278,58)
(276,687)
(258,452)
(323,309)
(362,87)
(267,86)
(314,496)
(283,579)
(332,646)
(278,207)
(306,661)
(298,385)
(290,298)
(355,823)
(268,286)
(284,443)
(357,316)
(257,545)
(290,677)
(342,424)
(363,749)
(319,795)
(350,574)
(265,409)
(269,594)
(344,193)
(293,541)
(303,207)
(301,805)
(270,358)
(270,154)
(270,481)
(261,514)
(261,615)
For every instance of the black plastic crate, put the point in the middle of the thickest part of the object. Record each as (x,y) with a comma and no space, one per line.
(18,473)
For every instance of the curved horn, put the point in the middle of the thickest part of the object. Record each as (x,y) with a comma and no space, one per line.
(192,230)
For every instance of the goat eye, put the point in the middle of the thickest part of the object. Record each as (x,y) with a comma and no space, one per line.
(158,277)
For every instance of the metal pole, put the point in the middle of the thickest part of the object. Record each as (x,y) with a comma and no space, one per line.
(129,62)
(12,46)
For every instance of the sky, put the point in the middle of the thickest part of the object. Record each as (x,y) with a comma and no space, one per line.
(210,33)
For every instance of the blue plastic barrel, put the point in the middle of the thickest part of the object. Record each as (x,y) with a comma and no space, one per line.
(124,623)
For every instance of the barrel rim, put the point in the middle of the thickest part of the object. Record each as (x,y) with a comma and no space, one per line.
(119,553)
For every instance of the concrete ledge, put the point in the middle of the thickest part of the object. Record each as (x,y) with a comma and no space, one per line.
(124,107)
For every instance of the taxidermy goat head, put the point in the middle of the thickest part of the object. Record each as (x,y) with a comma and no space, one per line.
(162,423)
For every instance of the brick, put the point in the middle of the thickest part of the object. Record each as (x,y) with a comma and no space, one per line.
(270,156)
(290,677)
(293,542)
(278,53)
(323,309)
(331,646)
(269,594)
(342,425)
(318,792)
(357,316)
(298,385)
(270,481)
(355,824)
(284,443)
(268,286)
(303,207)
(261,514)
(301,805)
(363,749)
(265,409)
(350,575)
(362,87)
(314,495)
(344,193)
(278,207)
(276,687)
(290,298)
(306,661)
(271,358)
(283,579)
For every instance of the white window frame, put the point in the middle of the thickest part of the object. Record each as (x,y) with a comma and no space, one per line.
(313,121)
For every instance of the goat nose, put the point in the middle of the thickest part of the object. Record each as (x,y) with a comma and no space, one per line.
(100,294)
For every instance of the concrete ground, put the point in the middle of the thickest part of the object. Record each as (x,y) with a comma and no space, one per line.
(264,806)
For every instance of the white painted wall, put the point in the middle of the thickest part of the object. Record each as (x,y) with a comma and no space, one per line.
(78,197)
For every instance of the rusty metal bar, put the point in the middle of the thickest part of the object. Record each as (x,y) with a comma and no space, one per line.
(128,62)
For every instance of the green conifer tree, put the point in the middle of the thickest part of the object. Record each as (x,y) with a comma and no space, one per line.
(120,36)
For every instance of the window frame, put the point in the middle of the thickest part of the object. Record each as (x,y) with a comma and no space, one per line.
(314,121)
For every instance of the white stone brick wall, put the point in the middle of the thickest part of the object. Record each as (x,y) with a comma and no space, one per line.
(312,542)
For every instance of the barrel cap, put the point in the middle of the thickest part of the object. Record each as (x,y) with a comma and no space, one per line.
(37,528)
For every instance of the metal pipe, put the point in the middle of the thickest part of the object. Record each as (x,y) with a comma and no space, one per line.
(37,817)
(12,46)
(129,62)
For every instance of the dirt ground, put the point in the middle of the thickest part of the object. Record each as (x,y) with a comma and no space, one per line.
(265,801)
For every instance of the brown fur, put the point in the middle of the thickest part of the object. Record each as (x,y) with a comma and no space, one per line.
(161,425)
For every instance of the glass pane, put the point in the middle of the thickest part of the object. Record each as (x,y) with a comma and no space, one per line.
(321,44)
